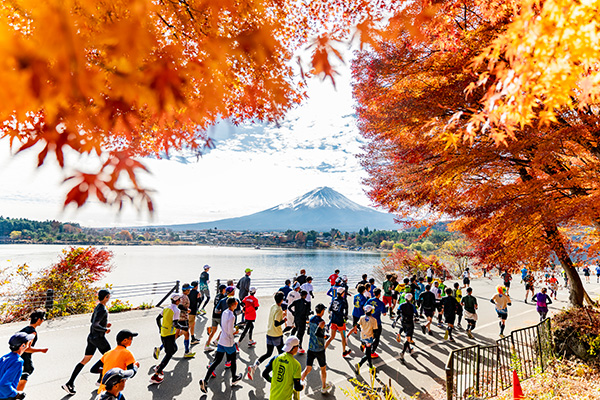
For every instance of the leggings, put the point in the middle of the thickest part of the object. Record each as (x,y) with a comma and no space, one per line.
(218,358)
(377,335)
(270,349)
(367,357)
(170,349)
(300,329)
(248,328)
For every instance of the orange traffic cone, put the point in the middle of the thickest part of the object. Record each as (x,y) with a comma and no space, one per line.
(517,391)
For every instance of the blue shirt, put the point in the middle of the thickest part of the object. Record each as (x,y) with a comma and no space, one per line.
(11,368)
(378,308)
(359,303)
(316,334)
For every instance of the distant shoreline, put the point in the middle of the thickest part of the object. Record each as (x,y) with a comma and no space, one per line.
(183,243)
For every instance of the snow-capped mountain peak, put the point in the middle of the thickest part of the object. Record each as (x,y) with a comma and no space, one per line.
(321,197)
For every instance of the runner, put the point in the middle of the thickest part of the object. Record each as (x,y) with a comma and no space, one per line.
(373,286)
(316,347)
(333,277)
(363,282)
(394,286)
(290,298)
(466,278)
(450,309)
(501,301)
(35,320)
(11,366)
(274,334)
(203,288)
(243,284)
(114,382)
(407,313)
(96,338)
(542,301)
(195,298)
(417,295)
(368,325)
(469,302)
(437,291)
(286,380)
(586,273)
(524,273)
(428,306)
(339,315)
(119,357)
(301,279)
(183,320)
(368,291)
(287,288)
(168,334)
(387,294)
(553,282)
(359,302)
(226,347)
(309,289)
(507,277)
(300,309)
(429,275)
(250,307)
(597,273)
(378,309)
(457,293)
(529,285)
(216,318)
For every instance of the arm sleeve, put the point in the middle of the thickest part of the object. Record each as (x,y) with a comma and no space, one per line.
(278,323)
(158,320)
(133,368)
(98,317)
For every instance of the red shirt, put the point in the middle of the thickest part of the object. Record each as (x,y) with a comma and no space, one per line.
(332,278)
(250,306)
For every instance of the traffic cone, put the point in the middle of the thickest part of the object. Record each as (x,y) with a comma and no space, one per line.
(517,391)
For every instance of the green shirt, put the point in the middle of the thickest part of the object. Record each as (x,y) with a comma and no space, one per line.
(285,369)
(469,302)
(387,288)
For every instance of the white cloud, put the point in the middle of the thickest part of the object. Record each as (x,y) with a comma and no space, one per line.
(253,167)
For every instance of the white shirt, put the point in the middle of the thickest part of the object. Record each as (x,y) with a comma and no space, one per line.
(466,274)
(227,329)
(309,288)
(429,272)
(292,296)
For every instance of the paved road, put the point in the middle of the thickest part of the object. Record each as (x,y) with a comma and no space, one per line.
(422,373)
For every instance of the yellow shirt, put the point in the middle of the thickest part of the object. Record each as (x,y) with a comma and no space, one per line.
(275,314)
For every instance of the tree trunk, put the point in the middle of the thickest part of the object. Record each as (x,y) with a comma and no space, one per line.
(575,285)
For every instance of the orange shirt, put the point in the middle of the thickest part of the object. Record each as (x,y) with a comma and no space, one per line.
(119,357)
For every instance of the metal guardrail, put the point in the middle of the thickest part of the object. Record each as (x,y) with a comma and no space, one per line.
(320,283)
(485,371)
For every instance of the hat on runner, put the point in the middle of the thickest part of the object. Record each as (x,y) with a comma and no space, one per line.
(229,289)
(296,285)
(125,334)
(368,308)
(340,289)
(290,343)
(408,297)
(20,338)
(116,375)
(252,289)
(186,286)
(175,297)
(248,270)
(206,266)
(344,278)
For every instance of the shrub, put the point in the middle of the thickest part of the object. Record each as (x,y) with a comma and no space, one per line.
(119,306)
(577,332)
(146,306)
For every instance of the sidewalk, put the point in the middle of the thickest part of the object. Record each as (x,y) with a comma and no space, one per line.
(423,373)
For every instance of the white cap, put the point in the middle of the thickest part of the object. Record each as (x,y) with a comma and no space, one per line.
(252,289)
(368,308)
(408,297)
(175,297)
(290,343)
(340,289)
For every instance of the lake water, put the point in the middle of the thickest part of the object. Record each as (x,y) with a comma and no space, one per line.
(146,264)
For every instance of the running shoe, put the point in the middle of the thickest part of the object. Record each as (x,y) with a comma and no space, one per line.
(430,333)
(228,364)
(203,311)
(374,355)
(208,349)
(194,340)
(155,369)
(251,343)
(446,335)
(394,325)
(423,329)
(236,379)
(203,386)
(346,353)
(98,383)
(156,379)
(156,353)
(215,344)
(301,351)
(470,335)
(250,372)
(327,388)
(70,389)
(451,339)
(189,355)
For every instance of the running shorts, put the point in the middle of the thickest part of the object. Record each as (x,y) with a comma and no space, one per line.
(429,312)
(96,342)
(275,341)
(450,318)
(503,314)
(216,322)
(311,356)
(183,324)
(339,328)
(408,329)
(507,284)
(466,281)
(27,368)
(387,300)
(355,321)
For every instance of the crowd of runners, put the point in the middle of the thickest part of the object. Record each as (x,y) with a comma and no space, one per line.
(296,326)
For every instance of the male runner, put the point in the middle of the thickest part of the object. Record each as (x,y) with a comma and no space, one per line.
(35,320)
(168,334)
(368,325)
(469,302)
(203,287)
(216,318)
(316,347)
(359,302)
(183,321)
(449,308)
(407,315)
(378,309)
(300,309)
(114,382)
(501,301)
(286,372)
(195,298)
(11,366)
(428,305)
(96,338)
(119,357)
(250,307)
(339,315)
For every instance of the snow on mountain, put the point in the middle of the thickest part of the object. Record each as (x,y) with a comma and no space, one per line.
(320,209)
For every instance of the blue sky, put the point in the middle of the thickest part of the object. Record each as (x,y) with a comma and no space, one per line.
(253,167)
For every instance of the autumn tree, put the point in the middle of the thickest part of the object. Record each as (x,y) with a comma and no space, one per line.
(514,201)
(300,238)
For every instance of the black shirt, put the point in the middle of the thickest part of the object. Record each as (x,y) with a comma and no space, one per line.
(300,308)
(193,296)
(450,305)
(301,279)
(339,310)
(218,299)
(407,311)
(99,320)
(29,329)
(428,299)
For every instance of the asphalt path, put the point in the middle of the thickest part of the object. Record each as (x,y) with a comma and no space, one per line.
(422,373)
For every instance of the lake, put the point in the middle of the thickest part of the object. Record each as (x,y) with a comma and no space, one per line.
(146,264)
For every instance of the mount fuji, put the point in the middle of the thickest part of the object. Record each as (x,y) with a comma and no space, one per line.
(320,209)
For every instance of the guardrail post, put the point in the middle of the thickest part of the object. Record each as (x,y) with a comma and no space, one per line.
(218,284)
(177,287)
(49,299)
(173,290)
(477,370)
(450,377)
